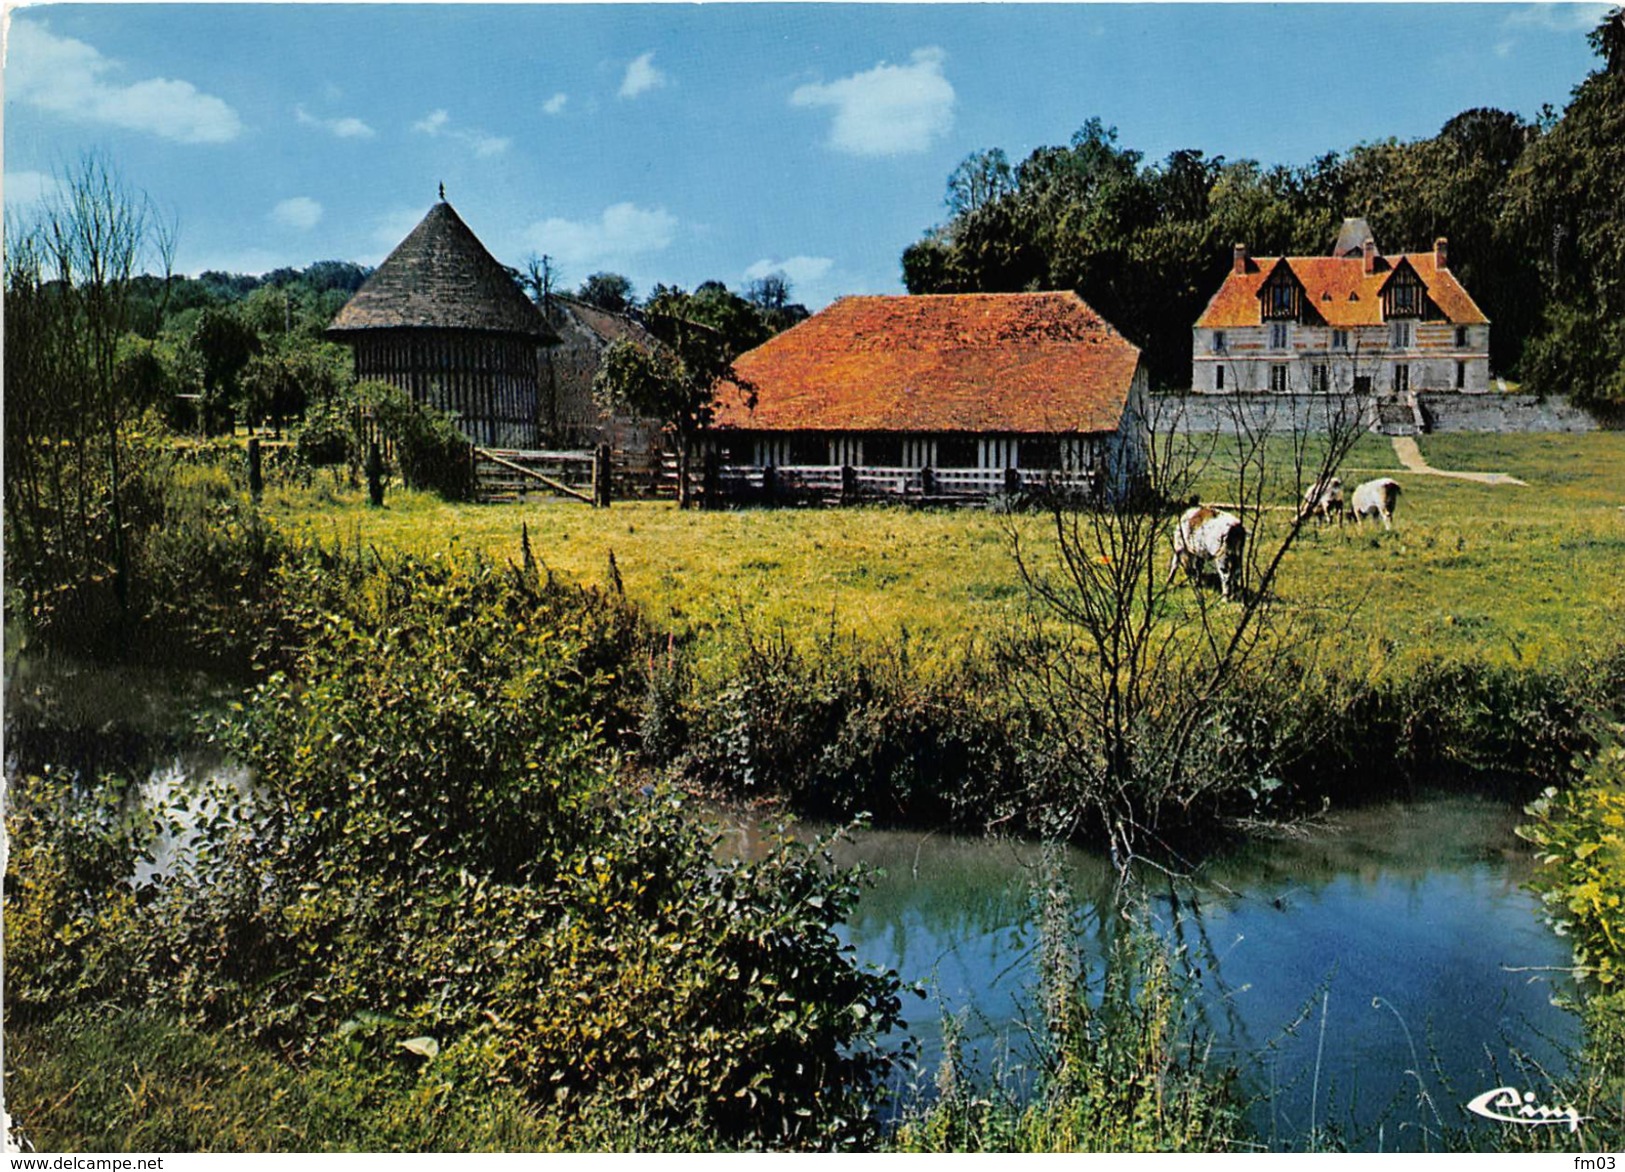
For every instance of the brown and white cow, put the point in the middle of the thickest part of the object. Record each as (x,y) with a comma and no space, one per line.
(1376,498)
(1209,535)
(1323,500)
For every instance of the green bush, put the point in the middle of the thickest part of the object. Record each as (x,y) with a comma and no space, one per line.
(436,840)
(845,727)
(430,452)
(1580,835)
(72,920)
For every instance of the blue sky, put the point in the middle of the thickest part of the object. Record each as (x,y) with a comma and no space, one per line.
(682,142)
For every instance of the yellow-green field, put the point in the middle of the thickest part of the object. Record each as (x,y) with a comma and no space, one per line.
(1501,573)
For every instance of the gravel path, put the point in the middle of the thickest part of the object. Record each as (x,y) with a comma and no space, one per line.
(1411,456)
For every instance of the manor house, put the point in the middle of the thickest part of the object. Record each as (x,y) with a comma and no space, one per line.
(1354,321)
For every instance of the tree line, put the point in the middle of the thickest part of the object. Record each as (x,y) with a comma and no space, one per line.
(1532,209)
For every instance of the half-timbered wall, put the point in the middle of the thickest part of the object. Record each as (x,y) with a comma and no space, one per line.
(487,381)
(1247,356)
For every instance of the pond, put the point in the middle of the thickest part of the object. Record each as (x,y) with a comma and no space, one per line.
(1371,979)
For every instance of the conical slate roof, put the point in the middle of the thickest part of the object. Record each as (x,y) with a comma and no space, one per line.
(441,277)
(1351,237)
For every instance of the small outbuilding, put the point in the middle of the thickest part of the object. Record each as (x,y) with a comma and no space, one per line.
(442,320)
(978,391)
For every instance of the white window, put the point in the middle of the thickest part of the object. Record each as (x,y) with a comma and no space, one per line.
(1280,335)
(1402,377)
(1317,378)
(1278,376)
(1400,334)
(1340,339)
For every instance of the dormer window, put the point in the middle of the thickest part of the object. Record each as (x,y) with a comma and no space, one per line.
(1403,295)
(1281,295)
(1218,341)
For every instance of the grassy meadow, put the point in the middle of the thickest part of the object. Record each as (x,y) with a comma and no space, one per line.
(1496,573)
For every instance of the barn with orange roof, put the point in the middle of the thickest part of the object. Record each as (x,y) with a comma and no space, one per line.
(978,389)
(1355,321)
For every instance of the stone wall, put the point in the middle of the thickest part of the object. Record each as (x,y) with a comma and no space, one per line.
(1443,411)
(1275,414)
(1497,412)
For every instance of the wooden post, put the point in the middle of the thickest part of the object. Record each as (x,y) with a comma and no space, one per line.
(601,477)
(849,483)
(928,481)
(256,470)
(770,486)
(711,482)
(1012,481)
(375,475)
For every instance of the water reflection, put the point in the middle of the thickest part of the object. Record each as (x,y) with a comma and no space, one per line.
(1399,946)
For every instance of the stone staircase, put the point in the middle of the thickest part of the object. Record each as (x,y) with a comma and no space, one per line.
(1400,415)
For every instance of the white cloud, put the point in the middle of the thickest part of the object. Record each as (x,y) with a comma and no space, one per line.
(801,270)
(888,110)
(483,145)
(1558,18)
(432,123)
(300,212)
(621,235)
(337,127)
(555,104)
(642,76)
(28,187)
(71,78)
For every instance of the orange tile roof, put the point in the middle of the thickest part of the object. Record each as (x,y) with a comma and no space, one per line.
(972,362)
(1339,290)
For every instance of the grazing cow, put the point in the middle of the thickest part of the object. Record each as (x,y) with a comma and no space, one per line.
(1323,499)
(1376,498)
(1208,535)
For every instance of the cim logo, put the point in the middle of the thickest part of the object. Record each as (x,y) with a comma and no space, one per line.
(1509,1105)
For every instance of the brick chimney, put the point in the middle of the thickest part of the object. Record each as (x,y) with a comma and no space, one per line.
(1238,263)
(1441,253)
(1368,255)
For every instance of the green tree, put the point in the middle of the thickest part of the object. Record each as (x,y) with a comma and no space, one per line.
(982,178)
(1566,194)
(70,299)
(609,291)
(224,343)
(675,381)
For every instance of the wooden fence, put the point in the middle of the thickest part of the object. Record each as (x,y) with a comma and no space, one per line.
(845,484)
(601,476)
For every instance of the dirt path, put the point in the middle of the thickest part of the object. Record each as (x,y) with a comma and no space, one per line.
(1411,456)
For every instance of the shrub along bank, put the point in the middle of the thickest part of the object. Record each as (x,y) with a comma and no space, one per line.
(839,727)
(439,865)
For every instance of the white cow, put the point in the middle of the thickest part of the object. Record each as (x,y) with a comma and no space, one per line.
(1376,498)
(1208,535)
(1323,499)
